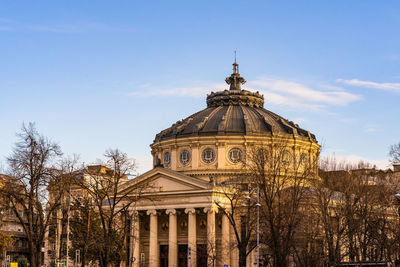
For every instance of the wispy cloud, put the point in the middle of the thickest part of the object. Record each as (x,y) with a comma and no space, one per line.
(78,27)
(394,87)
(297,94)
(276,92)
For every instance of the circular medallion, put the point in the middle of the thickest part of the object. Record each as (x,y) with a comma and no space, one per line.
(235,155)
(167,158)
(184,157)
(208,155)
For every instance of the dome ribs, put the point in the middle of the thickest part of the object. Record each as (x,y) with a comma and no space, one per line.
(234,121)
(258,121)
(289,128)
(248,127)
(181,128)
(211,125)
(222,123)
(269,123)
(234,112)
(199,126)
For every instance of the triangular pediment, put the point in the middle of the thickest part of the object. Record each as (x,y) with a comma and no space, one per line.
(165,180)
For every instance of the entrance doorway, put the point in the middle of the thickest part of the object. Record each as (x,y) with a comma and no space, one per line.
(182,255)
(163,255)
(201,255)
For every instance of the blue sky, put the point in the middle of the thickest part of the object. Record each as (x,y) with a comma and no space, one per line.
(94,75)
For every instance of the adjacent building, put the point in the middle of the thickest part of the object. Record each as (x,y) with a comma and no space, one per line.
(11,226)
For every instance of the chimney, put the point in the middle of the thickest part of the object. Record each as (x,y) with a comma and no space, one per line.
(396,167)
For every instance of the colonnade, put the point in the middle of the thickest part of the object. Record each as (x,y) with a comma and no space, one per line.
(154,247)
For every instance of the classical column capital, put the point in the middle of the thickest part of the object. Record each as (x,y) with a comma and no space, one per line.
(151,212)
(190,210)
(210,209)
(134,213)
(170,211)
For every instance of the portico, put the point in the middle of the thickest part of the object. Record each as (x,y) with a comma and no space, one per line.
(178,225)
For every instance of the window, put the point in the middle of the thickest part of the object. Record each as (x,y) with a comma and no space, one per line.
(184,157)
(303,159)
(208,155)
(286,157)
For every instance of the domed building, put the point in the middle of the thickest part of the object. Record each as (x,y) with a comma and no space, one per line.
(214,141)
(177,222)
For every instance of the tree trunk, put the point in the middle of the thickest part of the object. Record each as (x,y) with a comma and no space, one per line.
(31,256)
(242,256)
(35,257)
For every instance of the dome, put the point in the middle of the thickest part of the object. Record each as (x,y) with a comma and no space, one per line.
(234,112)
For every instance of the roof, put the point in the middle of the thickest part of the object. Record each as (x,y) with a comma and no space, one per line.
(234,112)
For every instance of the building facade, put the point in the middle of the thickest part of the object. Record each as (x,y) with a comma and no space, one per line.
(180,224)
(11,226)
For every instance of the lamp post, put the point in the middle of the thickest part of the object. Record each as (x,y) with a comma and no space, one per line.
(397,196)
(258,205)
(258,226)
(68,211)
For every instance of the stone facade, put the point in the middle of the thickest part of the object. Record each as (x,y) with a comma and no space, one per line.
(191,158)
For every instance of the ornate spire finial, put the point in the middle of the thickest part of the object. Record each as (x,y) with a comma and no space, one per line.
(235,80)
(235,66)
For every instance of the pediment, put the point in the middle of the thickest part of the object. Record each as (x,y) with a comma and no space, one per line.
(165,180)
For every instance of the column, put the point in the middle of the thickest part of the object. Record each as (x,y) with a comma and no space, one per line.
(135,241)
(210,236)
(226,249)
(153,247)
(172,239)
(192,238)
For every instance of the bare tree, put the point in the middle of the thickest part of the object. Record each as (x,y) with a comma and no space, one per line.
(355,203)
(239,204)
(283,177)
(111,203)
(34,167)
(86,234)
(394,153)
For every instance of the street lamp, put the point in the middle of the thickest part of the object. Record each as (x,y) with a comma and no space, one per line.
(258,226)
(397,196)
(258,205)
(68,213)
